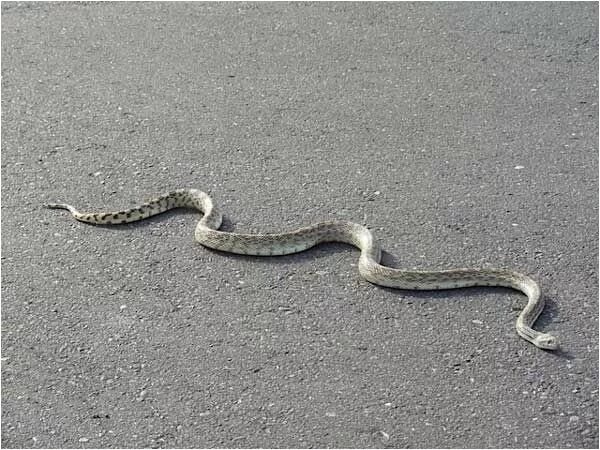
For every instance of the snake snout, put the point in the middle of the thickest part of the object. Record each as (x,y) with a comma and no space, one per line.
(547,342)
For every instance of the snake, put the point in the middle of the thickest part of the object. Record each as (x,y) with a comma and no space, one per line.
(207,233)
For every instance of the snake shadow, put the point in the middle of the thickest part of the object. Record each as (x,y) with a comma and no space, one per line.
(549,314)
(324,250)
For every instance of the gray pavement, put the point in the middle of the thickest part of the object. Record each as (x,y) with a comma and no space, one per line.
(462,134)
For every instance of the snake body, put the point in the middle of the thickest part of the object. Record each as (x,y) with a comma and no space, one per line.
(207,233)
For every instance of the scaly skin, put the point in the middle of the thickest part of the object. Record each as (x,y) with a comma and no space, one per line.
(369,266)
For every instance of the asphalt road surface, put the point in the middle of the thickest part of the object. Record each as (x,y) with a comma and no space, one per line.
(462,134)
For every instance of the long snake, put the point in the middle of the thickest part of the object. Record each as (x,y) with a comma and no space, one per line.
(207,233)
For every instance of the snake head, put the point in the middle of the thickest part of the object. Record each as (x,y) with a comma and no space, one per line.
(546,341)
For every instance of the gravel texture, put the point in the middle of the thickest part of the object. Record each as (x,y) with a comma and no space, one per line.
(463,134)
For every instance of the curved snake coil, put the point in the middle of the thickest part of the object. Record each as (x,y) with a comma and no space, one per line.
(301,239)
